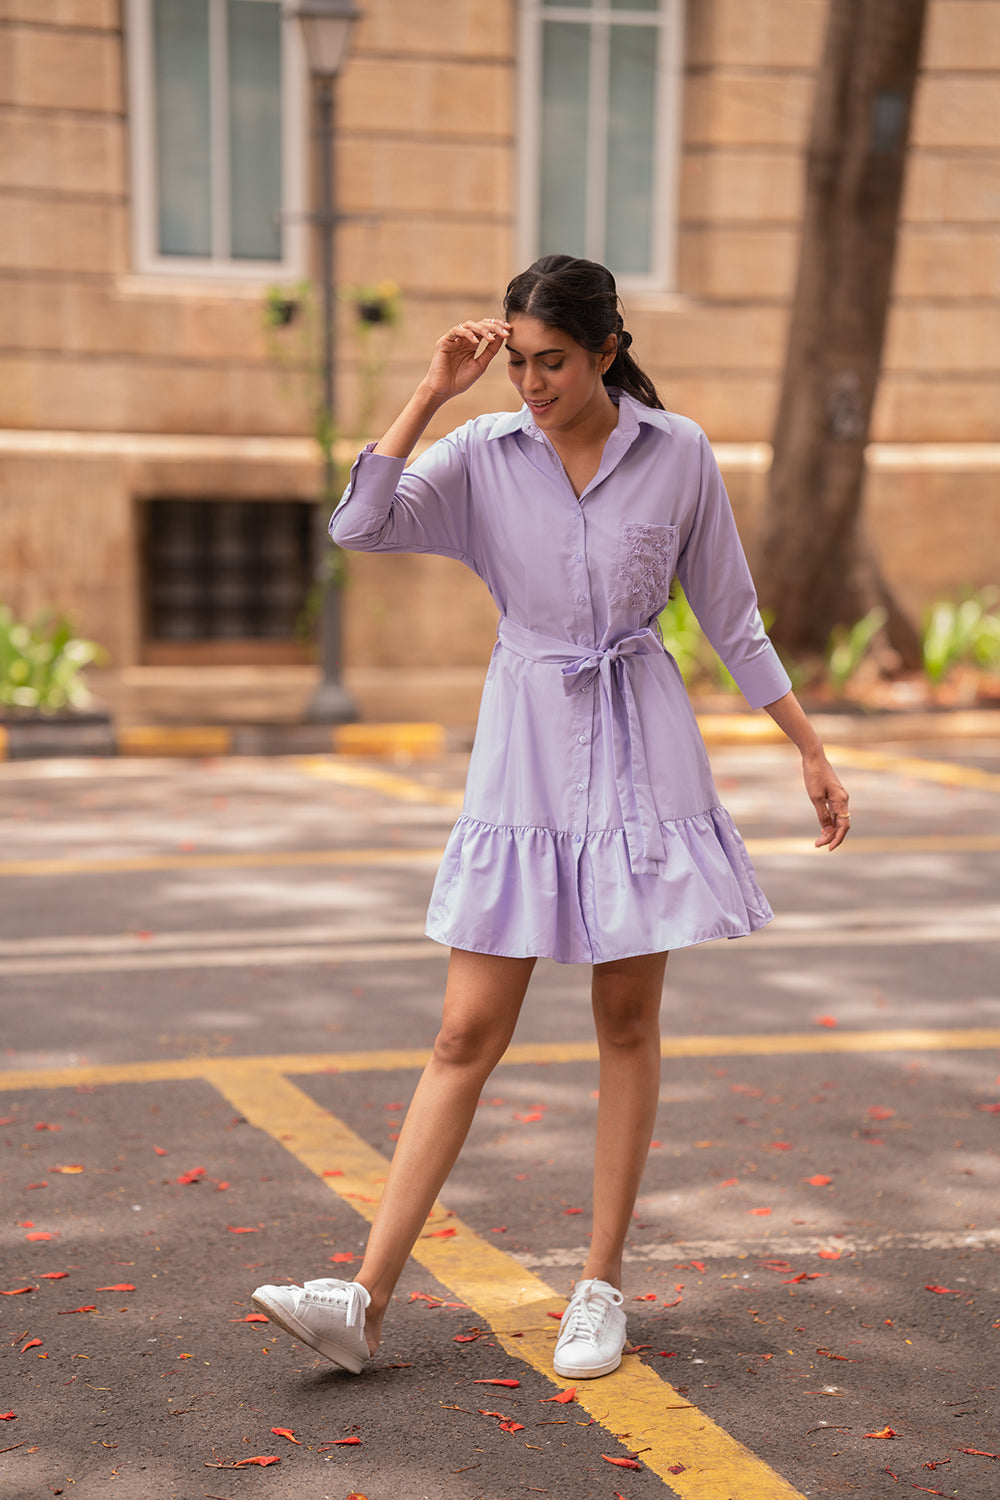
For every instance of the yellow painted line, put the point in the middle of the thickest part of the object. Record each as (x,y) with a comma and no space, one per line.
(764,848)
(403,788)
(235,859)
(512,1300)
(519,1054)
(390,739)
(4,743)
(944,772)
(174,739)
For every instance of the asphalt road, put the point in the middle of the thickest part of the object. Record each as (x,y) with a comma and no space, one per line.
(215,999)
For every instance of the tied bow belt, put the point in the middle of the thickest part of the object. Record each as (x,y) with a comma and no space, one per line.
(620,719)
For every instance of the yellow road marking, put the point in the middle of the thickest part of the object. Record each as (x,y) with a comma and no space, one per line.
(403,788)
(763,848)
(511,1299)
(945,772)
(519,1054)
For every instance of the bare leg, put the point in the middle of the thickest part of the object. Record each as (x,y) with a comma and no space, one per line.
(626,1000)
(481,1005)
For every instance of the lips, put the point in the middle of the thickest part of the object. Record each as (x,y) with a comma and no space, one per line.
(541,405)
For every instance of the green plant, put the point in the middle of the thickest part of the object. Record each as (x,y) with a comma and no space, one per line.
(683,637)
(41,662)
(848,646)
(963,630)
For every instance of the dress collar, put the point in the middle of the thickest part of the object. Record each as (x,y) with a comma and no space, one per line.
(631,414)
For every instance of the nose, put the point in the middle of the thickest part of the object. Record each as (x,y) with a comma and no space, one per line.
(533,379)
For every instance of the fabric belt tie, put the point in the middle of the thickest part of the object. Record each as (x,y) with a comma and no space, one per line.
(580,668)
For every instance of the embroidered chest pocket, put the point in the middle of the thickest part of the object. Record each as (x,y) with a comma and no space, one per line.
(644,569)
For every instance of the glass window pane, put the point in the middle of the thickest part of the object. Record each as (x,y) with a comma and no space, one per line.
(183,130)
(254,32)
(563,177)
(635,4)
(631,126)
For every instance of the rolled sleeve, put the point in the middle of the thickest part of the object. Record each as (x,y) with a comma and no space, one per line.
(713,571)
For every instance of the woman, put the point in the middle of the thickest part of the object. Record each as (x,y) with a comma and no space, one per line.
(591,830)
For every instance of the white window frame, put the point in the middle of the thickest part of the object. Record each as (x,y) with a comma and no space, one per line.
(669,18)
(147,258)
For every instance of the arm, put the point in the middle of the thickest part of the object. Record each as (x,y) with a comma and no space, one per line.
(453,369)
(823,786)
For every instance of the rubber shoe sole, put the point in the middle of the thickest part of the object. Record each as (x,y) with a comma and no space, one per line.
(288,1323)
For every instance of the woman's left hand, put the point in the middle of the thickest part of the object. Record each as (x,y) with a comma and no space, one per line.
(828,796)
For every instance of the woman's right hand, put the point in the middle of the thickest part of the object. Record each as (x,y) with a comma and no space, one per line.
(454,366)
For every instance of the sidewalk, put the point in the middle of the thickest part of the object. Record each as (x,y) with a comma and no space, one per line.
(209,711)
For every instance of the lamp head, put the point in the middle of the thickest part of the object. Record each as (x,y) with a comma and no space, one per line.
(326,27)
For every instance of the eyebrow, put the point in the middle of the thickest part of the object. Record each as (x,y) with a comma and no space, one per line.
(539,354)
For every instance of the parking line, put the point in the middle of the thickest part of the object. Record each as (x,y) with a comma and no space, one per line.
(519,1054)
(759,848)
(512,1300)
(944,772)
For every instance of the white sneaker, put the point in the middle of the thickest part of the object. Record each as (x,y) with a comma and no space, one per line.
(328,1315)
(591,1332)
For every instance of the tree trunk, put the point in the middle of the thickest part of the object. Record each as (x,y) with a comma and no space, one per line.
(816,569)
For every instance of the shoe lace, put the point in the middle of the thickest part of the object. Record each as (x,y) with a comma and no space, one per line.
(340,1294)
(587,1313)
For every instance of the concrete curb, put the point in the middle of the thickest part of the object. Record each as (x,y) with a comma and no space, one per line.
(61,738)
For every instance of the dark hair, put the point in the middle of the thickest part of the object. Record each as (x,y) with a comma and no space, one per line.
(580,297)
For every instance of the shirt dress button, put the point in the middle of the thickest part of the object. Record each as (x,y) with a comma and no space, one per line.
(581,786)
(578,838)
(581,598)
(579,557)
(583,739)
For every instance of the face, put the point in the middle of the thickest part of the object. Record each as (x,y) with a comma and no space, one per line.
(556,377)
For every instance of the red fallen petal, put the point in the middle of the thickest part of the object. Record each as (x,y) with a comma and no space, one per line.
(637,1348)
(980,1453)
(825,1021)
(887,1432)
(32,1344)
(26,1223)
(553,1315)
(29,1185)
(511,1426)
(677,1468)
(569,1394)
(16,1291)
(67,1312)
(621,1463)
(805,1276)
(511,1383)
(425,1297)
(992,1109)
(646,1297)
(270,1458)
(943,1290)
(829,1254)
(40,1234)
(344,1442)
(699,1265)
(53,1275)
(530,1119)
(879,1112)
(333,1172)
(818,1181)
(160,1150)
(500,1229)
(70,1167)
(192,1176)
(572,1211)
(220,1187)
(8,1416)
(253,1318)
(343,1256)
(730,1182)
(7,1120)
(676,1303)
(119,1286)
(440,1234)
(781,1146)
(761,1212)
(466,1338)
(285,1432)
(656,1145)
(42,1125)
(237,1229)
(669,1353)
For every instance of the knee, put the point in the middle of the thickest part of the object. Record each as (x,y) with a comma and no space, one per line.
(627,1029)
(458,1046)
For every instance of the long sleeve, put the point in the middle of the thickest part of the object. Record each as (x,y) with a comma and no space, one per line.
(425,508)
(715,577)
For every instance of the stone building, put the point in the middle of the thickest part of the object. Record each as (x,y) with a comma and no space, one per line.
(157,451)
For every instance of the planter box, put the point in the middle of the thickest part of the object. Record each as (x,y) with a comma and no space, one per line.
(33,736)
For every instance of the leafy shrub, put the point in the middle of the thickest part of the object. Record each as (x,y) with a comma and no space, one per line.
(41,662)
(848,646)
(682,635)
(966,630)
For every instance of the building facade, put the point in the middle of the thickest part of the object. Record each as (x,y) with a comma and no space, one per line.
(159,338)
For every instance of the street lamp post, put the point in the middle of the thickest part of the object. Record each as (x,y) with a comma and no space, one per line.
(325,27)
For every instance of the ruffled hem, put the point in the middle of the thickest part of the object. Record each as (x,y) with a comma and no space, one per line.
(536,893)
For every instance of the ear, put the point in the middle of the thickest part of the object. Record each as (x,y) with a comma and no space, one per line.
(608,351)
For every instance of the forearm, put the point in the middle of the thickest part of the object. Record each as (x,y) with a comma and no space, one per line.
(791,719)
(404,434)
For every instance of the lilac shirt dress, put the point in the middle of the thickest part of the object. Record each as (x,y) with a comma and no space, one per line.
(591,828)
